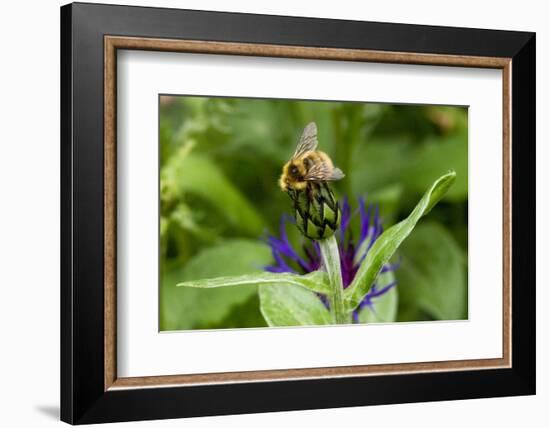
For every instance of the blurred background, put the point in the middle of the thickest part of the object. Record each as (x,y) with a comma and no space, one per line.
(220,159)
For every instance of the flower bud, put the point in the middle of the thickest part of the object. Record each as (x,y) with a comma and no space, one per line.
(316,210)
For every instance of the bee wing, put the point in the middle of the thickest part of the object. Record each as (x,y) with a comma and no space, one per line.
(323,172)
(337,174)
(308,140)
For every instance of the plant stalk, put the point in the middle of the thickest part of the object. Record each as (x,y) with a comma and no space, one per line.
(331,261)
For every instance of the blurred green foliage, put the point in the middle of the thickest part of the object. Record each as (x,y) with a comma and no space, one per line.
(221,158)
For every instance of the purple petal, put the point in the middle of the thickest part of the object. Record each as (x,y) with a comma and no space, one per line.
(281,264)
(282,247)
(365,220)
(275,269)
(391,267)
(317,249)
(367,301)
(346,216)
(313,258)
(348,267)
(377,293)
(377,227)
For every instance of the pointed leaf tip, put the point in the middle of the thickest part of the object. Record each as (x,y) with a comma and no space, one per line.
(387,243)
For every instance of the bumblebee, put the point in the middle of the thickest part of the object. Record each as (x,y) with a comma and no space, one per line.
(308,165)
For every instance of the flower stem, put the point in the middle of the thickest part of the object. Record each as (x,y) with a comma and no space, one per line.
(331,261)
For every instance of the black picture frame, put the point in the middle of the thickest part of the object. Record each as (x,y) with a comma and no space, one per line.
(83,396)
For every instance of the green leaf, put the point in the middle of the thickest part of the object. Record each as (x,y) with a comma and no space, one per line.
(316,281)
(386,245)
(292,305)
(384,308)
(435,155)
(413,162)
(198,175)
(244,315)
(377,163)
(432,275)
(388,199)
(183,216)
(183,308)
(230,257)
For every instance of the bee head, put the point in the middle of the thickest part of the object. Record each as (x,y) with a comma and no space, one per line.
(294,171)
(292,176)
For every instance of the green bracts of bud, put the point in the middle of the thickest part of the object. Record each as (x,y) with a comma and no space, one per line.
(316,210)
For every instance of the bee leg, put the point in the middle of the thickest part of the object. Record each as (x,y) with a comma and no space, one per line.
(310,191)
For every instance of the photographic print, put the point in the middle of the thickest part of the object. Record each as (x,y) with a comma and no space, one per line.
(310,213)
(303,213)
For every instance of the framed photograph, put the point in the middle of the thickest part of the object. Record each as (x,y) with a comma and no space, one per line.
(265,213)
